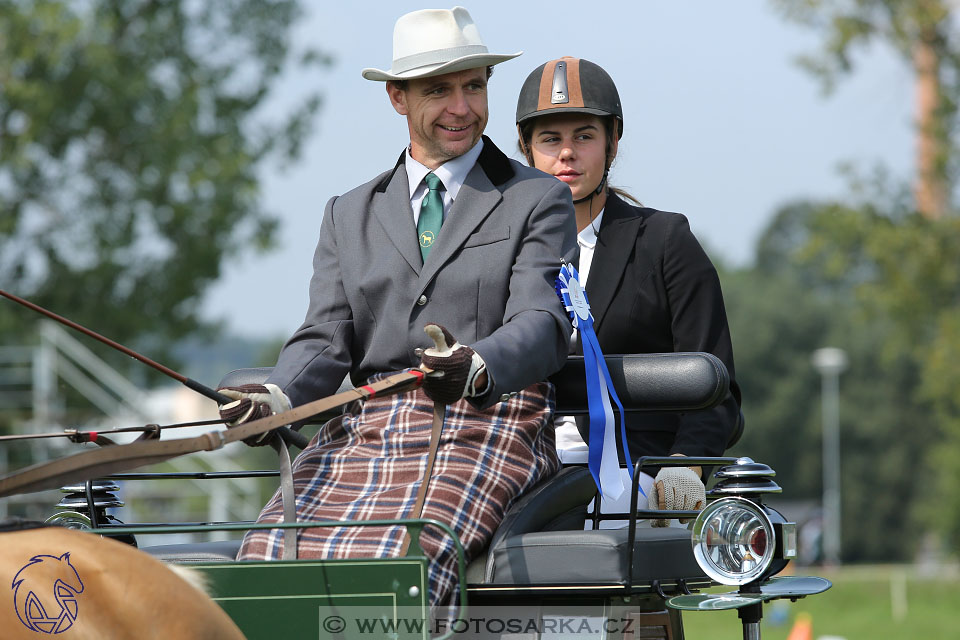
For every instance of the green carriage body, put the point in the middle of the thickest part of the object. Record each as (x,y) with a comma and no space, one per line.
(331,598)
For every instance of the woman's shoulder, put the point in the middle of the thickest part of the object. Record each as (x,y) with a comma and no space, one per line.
(653,219)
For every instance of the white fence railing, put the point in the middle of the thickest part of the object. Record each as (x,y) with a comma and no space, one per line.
(31,381)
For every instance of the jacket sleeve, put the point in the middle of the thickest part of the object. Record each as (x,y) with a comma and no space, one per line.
(315,360)
(699,323)
(533,341)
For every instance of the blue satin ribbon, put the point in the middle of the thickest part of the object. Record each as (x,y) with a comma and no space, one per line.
(603,461)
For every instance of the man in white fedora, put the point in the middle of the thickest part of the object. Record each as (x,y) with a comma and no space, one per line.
(461,240)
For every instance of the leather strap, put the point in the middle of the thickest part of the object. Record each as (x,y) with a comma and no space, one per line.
(439,411)
(102,462)
(289,500)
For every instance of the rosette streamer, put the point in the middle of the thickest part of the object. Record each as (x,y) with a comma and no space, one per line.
(603,462)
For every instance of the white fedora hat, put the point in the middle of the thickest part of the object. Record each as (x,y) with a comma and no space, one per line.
(432,42)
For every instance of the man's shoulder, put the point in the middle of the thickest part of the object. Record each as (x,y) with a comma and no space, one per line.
(505,172)
(528,184)
(524,173)
(365,192)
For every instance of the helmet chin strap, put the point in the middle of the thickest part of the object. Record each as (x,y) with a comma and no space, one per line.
(595,192)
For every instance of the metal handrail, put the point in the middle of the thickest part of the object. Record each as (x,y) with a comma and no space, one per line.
(661,461)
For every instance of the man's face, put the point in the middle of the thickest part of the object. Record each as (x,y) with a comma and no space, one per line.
(446,114)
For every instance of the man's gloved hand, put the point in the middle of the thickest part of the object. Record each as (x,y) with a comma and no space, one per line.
(252,402)
(456,368)
(676,489)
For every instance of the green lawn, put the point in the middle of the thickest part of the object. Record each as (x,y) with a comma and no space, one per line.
(868,603)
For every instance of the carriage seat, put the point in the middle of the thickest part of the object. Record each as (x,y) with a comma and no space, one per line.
(190,553)
(541,542)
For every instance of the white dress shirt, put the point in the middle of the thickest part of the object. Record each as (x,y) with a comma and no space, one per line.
(452,174)
(570,446)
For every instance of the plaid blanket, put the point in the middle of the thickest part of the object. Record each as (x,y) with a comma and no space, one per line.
(368,463)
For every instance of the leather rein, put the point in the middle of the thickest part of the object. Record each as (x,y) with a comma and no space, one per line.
(122,457)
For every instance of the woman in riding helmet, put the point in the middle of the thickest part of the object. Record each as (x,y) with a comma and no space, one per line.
(651,287)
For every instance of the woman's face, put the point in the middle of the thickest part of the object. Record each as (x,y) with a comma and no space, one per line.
(572,147)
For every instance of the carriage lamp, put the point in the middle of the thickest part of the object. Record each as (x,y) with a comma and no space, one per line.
(736,538)
(73,510)
(733,540)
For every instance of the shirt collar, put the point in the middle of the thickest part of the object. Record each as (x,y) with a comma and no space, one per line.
(452,173)
(588,237)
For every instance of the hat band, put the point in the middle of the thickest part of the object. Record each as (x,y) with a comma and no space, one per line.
(437,56)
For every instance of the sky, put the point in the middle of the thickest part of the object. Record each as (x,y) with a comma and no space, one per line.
(720,123)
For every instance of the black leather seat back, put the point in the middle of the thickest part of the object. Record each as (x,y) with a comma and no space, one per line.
(649,382)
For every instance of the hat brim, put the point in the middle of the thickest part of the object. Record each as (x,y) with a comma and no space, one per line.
(460,64)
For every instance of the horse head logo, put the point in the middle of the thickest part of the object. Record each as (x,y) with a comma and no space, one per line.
(45,593)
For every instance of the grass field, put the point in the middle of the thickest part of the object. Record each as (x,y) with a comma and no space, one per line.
(865,603)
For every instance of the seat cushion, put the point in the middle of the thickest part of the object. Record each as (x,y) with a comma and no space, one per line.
(594,557)
(221,551)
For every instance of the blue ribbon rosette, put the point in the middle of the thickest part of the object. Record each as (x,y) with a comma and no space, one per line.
(603,461)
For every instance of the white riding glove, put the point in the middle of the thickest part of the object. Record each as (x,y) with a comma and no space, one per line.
(676,489)
(456,367)
(253,401)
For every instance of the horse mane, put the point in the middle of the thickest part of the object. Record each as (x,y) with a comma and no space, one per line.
(194,578)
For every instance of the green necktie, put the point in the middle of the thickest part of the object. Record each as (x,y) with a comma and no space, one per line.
(431,215)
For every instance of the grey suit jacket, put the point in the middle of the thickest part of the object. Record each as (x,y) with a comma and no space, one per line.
(489,279)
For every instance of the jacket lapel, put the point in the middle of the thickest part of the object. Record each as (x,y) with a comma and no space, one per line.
(391,206)
(618,234)
(477,198)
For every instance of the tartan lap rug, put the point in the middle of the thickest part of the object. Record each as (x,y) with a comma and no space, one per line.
(367,464)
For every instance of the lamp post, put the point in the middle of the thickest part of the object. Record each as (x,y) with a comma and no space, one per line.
(830,362)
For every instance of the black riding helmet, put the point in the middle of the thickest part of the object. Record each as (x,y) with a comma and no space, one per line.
(568,85)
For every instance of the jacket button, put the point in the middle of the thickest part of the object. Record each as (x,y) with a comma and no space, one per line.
(504,397)
(422,300)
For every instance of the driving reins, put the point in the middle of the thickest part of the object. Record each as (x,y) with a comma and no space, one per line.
(108,460)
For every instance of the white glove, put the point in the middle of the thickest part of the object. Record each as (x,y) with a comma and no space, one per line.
(456,367)
(676,489)
(253,401)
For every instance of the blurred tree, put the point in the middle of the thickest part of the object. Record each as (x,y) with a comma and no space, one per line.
(925,35)
(776,323)
(131,137)
(885,286)
(909,284)
(897,259)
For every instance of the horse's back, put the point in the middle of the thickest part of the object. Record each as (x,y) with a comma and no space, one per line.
(100,588)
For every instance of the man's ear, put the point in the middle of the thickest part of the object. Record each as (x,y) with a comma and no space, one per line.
(398,98)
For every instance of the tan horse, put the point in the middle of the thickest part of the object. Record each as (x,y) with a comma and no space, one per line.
(78,586)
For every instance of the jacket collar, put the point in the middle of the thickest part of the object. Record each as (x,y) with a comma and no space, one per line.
(615,242)
(493,162)
(480,193)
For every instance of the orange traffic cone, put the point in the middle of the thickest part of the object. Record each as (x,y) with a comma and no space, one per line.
(802,627)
